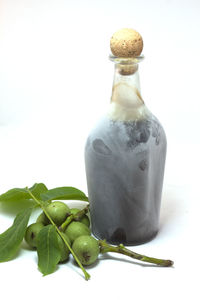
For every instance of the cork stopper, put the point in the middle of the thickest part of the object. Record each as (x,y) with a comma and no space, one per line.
(126,45)
(126,42)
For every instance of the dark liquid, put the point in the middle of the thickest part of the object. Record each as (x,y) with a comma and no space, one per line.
(124,168)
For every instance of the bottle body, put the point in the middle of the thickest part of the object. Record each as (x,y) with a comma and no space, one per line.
(125,169)
(124,160)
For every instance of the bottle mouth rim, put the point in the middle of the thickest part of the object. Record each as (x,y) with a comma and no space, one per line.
(126,60)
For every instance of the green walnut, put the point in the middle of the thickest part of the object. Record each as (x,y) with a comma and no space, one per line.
(85,220)
(58,211)
(31,233)
(87,249)
(65,252)
(42,218)
(76,229)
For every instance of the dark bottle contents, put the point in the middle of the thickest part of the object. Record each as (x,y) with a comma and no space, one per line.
(124,159)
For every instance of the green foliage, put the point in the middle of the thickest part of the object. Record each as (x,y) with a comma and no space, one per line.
(47,241)
(64,250)
(11,239)
(48,249)
(17,199)
(18,194)
(37,189)
(64,193)
(52,244)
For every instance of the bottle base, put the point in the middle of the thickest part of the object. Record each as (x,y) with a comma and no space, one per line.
(127,243)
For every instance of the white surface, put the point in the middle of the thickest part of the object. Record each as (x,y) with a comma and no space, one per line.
(55,82)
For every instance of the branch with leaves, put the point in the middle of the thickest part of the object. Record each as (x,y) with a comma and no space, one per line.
(40,196)
(47,242)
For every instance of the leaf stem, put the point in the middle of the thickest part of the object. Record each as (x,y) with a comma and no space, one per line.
(104,247)
(87,276)
(76,217)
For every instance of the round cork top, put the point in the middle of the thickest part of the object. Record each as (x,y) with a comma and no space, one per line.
(126,42)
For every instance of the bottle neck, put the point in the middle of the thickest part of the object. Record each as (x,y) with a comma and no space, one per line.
(126,101)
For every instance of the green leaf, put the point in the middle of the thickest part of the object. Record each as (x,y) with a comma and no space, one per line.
(15,194)
(11,239)
(48,249)
(64,193)
(17,199)
(37,189)
(18,194)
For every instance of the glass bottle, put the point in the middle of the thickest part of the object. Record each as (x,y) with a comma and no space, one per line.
(124,162)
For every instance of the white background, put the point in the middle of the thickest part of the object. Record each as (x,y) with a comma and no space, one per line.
(55,82)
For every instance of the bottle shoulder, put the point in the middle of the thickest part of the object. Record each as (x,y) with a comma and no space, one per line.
(110,133)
